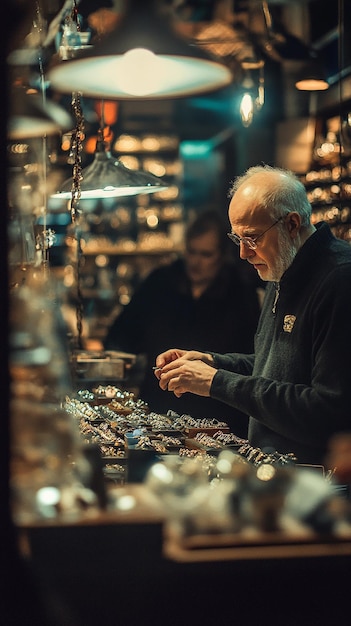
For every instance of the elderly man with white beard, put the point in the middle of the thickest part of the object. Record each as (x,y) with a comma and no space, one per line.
(296,387)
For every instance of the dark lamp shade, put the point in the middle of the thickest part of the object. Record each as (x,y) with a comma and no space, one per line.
(312,78)
(162,65)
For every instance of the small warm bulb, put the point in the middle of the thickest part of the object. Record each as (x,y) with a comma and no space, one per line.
(246,109)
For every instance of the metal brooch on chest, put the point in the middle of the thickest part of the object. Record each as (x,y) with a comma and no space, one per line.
(289,321)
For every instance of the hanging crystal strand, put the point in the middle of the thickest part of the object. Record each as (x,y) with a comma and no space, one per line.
(75,158)
(70,36)
(75,155)
(46,240)
(75,16)
(79,307)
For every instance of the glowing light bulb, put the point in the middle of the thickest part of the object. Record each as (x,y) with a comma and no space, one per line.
(246,109)
(141,72)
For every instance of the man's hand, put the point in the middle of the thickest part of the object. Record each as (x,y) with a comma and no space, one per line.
(175,353)
(187,373)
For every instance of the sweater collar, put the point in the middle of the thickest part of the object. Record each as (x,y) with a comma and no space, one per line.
(309,251)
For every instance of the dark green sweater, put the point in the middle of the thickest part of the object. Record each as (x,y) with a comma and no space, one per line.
(163,314)
(297,386)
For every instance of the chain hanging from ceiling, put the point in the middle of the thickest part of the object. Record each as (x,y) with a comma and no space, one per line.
(75,159)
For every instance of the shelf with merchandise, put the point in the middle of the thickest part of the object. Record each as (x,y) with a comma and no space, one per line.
(328,181)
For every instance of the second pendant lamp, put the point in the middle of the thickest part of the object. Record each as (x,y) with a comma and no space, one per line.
(107,177)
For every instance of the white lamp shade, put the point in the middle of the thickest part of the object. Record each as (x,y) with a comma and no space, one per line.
(171,67)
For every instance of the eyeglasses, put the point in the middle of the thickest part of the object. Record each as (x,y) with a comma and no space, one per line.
(250,242)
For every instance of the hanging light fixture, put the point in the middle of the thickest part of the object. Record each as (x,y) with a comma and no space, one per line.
(312,77)
(143,57)
(251,103)
(107,177)
(246,108)
(30,117)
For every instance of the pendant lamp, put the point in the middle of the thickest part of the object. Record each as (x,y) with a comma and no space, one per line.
(31,117)
(312,77)
(142,57)
(107,177)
